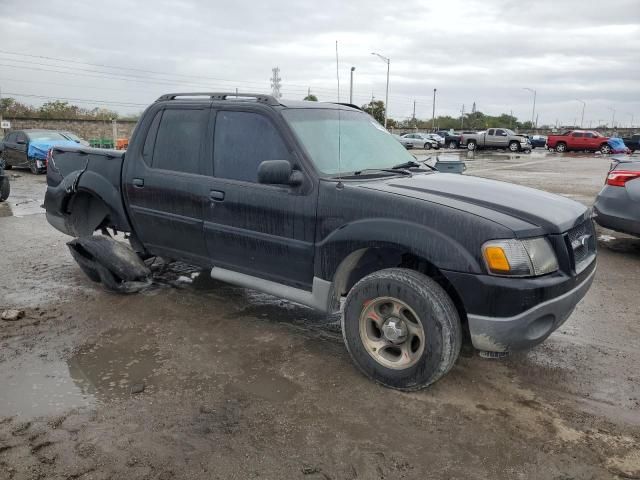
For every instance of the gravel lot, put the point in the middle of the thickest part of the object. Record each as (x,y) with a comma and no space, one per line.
(238,384)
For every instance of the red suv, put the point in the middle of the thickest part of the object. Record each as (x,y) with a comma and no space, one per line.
(579,140)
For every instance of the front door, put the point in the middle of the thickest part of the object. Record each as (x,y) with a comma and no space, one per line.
(165,185)
(260,230)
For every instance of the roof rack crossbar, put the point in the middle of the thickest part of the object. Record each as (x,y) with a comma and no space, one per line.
(260,97)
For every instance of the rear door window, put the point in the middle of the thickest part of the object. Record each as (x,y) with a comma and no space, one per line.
(491,131)
(243,140)
(577,135)
(180,138)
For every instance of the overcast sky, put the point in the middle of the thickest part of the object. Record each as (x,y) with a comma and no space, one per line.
(471,51)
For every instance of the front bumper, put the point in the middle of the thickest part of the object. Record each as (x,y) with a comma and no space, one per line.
(506,314)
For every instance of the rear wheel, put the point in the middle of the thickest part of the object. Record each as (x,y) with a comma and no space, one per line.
(561,147)
(33,167)
(471,146)
(401,328)
(453,144)
(605,148)
(427,146)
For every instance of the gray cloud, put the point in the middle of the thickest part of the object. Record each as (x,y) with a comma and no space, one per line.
(482,51)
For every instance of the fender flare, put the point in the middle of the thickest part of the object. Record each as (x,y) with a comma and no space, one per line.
(96,185)
(425,242)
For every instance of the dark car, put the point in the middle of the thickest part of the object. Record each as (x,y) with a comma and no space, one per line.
(617,206)
(28,148)
(632,142)
(5,186)
(538,141)
(325,208)
(451,140)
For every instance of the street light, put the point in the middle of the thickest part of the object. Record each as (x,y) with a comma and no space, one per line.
(584,104)
(613,117)
(533,112)
(386,98)
(351,86)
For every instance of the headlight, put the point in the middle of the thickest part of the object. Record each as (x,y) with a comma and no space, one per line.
(520,258)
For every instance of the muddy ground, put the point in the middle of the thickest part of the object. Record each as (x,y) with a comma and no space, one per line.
(237,384)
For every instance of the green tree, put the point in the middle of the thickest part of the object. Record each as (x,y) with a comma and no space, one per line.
(376,109)
(311,98)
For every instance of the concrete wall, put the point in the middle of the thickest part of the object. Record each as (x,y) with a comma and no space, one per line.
(86,129)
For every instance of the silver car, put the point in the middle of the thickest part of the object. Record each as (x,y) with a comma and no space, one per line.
(422,140)
(617,205)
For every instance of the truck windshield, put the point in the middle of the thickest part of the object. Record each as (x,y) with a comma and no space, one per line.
(362,142)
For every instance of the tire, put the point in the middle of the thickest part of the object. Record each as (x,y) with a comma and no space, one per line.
(33,168)
(421,305)
(561,147)
(427,146)
(471,146)
(514,147)
(605,149)
(5,189)
(452,145)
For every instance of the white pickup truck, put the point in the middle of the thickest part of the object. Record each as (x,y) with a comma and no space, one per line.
(496,138)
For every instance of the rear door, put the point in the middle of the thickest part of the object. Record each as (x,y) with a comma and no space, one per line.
(261,230)
(8,147)
(165,185)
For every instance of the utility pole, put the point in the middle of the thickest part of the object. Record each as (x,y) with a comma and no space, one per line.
(275,82)
(584,104)
(462,117)
(630,114)
(533,112)
(386,98)
(351,86)
(414,113)
(510,119)
(433,113)
(114,132)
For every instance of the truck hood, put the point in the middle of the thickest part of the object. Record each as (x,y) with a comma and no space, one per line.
(524,210)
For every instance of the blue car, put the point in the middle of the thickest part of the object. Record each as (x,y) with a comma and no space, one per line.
(538,141)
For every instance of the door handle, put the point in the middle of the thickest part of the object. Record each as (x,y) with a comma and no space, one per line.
(138,182)
(216,195)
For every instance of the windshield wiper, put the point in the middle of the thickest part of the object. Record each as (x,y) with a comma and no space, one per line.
(413,164)
(388,170)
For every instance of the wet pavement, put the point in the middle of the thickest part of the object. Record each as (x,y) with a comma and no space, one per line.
(194,378)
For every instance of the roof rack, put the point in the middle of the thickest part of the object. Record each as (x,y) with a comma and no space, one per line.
(260,97)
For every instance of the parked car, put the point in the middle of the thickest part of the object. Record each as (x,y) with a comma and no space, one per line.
(75,138)
(5,186)
(617,206)
(405,142)
(538,141)
(418,259)
(451,140)
(422,140)
(438,138)
(28,148)
(578,140)
(632,142)
(496,138)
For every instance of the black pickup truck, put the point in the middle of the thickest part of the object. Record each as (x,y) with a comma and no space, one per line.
(317,203)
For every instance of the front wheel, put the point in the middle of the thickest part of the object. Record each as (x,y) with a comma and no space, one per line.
(5,189)
(606,149)
(561,147)
(514,146)
(471,146)
(401,328)
(33,167)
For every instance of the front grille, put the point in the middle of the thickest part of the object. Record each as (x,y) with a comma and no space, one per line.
(582,245)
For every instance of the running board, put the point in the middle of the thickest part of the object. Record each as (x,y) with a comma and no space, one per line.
(317,298)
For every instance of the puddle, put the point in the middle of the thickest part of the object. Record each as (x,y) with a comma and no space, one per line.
(120,359)
(46,388)
(98,373)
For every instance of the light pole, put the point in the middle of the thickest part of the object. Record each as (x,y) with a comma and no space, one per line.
(433,114)
(613,117)
(584,104)
(386,98)
(533,112)
(351,86)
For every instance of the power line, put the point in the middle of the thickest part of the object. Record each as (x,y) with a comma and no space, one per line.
(80,100)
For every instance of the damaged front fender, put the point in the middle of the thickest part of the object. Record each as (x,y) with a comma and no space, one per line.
(112,263)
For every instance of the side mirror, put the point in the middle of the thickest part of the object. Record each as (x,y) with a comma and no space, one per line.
(278,172)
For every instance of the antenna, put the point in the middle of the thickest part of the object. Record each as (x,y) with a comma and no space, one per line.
(339,121)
